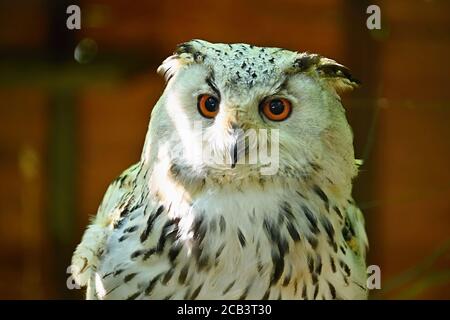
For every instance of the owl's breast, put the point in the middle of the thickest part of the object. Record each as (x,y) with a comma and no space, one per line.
(234,244)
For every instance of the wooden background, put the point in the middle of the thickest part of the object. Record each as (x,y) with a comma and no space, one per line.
(68,129)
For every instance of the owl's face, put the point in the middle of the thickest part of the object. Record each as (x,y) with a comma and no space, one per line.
(239,111)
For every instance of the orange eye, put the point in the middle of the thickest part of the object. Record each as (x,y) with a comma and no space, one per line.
(277,109)
(208,105)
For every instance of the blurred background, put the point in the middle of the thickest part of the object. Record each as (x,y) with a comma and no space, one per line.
(75,105)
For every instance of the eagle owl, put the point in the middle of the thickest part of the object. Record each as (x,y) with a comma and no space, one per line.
(174,226)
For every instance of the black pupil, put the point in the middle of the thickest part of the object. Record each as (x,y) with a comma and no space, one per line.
(211,104)
(276,106)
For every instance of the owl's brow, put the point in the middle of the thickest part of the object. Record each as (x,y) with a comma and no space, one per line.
(210,81)
(283,85)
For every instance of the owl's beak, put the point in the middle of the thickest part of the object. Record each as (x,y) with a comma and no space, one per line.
(236,149)
(234,156)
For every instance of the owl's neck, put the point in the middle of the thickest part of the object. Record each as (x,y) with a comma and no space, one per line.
(170,186)
(333,173)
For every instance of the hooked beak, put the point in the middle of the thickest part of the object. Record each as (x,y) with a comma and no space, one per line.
(234,156)
(236,149)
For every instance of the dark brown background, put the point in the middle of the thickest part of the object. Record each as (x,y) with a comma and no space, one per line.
(68,129)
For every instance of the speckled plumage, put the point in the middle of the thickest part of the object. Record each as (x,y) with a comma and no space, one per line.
(174,227)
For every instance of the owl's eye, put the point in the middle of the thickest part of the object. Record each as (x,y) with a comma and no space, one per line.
(208,105)
(277,109)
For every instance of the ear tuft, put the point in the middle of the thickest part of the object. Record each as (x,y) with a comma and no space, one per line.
(337,75)
(184,55)
(189,49)
(306,61)
(169,67)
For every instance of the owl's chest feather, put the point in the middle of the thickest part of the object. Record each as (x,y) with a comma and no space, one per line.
(233,244)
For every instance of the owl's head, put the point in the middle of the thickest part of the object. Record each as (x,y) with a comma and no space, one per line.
(236,111)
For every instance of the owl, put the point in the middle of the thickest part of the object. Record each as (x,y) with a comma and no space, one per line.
(184,223)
